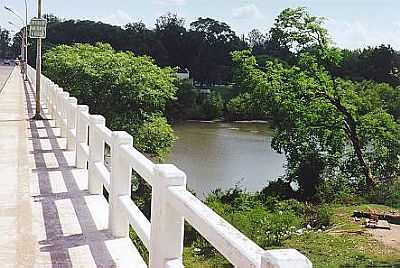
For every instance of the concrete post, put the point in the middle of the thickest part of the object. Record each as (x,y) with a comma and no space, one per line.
(166,236)
(81,135)
(64,111)
(71,123)
(96,153)
(58,107)
(121,173)
(52,91)
(52,103)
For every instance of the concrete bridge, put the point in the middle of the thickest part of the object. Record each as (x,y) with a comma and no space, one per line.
(52,209)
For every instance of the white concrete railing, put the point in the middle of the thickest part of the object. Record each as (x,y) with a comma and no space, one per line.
(171,203)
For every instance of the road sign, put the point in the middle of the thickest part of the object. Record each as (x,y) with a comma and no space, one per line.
(37,28)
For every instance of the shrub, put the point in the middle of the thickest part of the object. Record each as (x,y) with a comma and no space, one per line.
(155,135)
(317,216)
(337,190)
(212,107)
(386,194)
(131,92)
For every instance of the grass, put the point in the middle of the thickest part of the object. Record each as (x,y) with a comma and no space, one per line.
(346,244)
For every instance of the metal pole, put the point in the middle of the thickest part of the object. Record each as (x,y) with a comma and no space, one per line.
(26,41)
(38,67)
(23,69)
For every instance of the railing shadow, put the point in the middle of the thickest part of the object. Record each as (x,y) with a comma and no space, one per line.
(58,243)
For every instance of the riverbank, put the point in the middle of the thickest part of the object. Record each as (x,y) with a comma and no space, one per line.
(328,235)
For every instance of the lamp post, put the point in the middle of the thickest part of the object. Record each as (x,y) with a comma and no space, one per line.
(25,33)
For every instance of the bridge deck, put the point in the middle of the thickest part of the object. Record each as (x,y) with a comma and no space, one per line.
(47,216)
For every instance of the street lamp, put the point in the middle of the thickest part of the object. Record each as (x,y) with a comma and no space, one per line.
(25,41)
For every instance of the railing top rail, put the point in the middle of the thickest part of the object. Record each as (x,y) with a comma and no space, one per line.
(104,132)
(236,247)
(140,163)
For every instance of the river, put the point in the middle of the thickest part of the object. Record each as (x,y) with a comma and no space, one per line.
(220,155)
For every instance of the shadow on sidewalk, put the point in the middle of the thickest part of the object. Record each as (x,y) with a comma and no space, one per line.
(58,244)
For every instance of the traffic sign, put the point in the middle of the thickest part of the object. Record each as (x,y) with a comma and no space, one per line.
(37,28)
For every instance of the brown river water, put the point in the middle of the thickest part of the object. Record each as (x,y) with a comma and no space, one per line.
(220,155)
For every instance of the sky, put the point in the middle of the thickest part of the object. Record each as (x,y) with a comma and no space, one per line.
(351,23)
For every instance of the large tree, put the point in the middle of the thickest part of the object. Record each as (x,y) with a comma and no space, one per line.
(325,126)
(4,43)
(130,91)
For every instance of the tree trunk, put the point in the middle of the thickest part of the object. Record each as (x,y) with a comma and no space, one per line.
(358,149)
(351,131)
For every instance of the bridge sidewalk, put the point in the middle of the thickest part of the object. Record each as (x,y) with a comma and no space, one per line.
(47,216)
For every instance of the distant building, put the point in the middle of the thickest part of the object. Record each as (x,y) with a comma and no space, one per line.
(182,73)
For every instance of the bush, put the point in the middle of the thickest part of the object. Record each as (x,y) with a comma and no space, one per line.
(386,194)
(212,106)
(131,92)
(155,135)
(318,216)
(242,107)
(184,107)
(337,190)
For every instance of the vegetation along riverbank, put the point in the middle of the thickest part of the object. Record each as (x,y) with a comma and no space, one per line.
(335,115)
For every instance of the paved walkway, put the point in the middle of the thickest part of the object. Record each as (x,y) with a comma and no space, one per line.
(47,217)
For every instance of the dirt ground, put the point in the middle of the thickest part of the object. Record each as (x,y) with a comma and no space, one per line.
(390,238)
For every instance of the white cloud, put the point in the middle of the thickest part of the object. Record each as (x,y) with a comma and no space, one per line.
(246,12)
(358,34)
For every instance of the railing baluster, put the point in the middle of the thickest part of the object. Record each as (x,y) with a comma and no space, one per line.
(64,111)
(121,174)
(166,236)
(52,101)
(58,106)
(71,123)
(96,153)
(81,135)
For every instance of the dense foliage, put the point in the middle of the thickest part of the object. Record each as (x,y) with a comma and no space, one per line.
(204,47)
(5,48)
(130,91)
(327,127)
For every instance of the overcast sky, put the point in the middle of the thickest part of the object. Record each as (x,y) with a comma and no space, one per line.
(351,23)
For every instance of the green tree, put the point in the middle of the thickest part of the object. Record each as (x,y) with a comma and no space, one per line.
(297,29)
(325,126)
(4,43)
(130,91)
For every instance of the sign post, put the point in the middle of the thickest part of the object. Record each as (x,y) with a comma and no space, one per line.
(38,31)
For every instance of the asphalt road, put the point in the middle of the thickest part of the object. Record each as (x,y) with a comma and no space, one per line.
(5,71)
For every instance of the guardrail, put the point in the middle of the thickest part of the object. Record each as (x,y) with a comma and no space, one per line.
(171,203)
